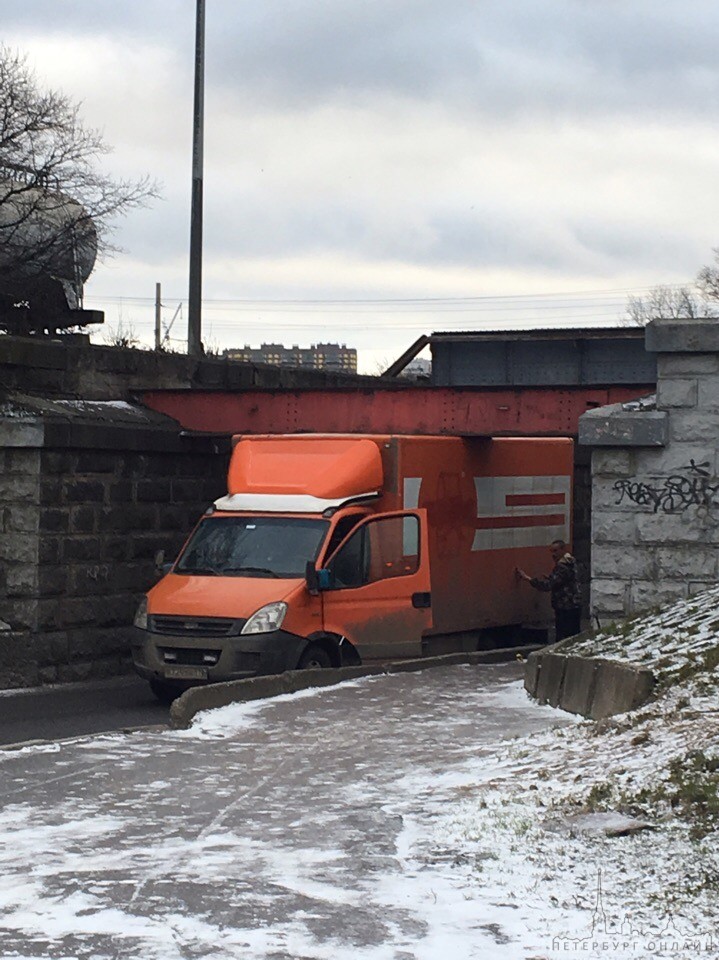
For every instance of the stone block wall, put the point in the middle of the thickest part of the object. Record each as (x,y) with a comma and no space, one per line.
(655,480)
(91,488)
(19,526)
(79,529)
(581,519)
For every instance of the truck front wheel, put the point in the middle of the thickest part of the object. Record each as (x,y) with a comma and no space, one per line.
(165,692)
(313,658)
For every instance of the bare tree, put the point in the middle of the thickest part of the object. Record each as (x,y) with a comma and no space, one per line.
(707,280)
(57,206)
(123,334)
(673,303)
(676,303)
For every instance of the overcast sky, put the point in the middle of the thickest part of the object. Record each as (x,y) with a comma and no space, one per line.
(397,150)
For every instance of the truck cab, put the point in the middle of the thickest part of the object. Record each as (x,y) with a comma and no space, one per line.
(272,580)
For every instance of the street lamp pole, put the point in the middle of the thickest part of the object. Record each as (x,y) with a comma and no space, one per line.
(194,320)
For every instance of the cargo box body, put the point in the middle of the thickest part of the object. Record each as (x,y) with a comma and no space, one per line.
(492,505)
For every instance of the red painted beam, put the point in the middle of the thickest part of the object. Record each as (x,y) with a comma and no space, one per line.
(455,411)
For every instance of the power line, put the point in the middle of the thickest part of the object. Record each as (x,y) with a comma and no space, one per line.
(592,295)
(249,328)
(236,318)
(354,319)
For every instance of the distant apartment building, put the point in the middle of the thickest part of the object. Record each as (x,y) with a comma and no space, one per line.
(320,356)
(418,369)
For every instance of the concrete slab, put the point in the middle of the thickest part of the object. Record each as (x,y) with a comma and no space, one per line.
(613,427)
(214,695)
(600,824)
(579,685)
(551,677)
(682,336)
(531,673)
(619,688)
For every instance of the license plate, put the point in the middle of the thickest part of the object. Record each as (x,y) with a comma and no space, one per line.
(185,673)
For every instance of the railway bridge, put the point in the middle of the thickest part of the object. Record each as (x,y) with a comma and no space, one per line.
(535,383)
(92,485)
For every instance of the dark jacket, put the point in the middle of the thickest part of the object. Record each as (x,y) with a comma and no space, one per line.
(562,584)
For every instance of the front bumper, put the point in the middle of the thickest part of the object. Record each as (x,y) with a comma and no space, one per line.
(189,660)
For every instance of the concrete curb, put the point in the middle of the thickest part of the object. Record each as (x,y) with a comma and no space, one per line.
(592,687)
(197,699)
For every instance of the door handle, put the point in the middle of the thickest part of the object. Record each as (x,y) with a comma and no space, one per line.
(421,601)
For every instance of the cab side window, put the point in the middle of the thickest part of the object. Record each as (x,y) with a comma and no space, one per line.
(380,550)
(349,566)
(344,525)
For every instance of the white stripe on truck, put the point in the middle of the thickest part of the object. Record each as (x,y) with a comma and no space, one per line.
(411,492)
(492,495)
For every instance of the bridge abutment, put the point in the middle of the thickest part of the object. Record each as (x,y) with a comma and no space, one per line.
(655,479)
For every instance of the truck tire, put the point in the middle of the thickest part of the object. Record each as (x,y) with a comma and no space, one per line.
(314,657)
(165,692)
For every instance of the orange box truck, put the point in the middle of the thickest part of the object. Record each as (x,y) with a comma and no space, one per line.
(330,550)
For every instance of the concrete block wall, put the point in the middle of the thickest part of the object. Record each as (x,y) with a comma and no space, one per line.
(19,526)
(79,529)
(76,368)
(655,480)
(581,519)
(103,517)
(91,488)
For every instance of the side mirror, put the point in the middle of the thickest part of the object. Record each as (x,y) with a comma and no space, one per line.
(317,580)
(312,579)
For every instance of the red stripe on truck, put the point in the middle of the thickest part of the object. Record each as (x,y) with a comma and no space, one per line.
(494,523)
(533,499)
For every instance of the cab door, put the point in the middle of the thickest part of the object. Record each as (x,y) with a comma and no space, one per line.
(376,589)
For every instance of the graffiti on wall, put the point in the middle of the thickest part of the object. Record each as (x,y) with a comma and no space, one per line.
(691,486)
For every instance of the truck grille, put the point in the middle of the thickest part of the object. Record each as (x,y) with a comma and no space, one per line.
(188,656)
(195,626)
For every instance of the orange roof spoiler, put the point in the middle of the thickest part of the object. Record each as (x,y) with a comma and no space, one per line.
(325,468)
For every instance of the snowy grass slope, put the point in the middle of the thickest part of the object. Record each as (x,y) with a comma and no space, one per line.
(675,643)
(650,894)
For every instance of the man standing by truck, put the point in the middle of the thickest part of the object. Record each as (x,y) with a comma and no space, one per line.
(563,585)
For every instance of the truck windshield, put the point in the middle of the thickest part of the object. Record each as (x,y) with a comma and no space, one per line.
(265,546)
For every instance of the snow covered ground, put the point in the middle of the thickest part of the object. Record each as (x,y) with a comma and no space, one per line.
(535,829)
(405,817)
(532,832)
(673,642)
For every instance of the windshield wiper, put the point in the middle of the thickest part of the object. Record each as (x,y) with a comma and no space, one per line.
(199,571)
(249,570)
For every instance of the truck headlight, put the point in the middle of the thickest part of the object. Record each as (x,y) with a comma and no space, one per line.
(141,615)
(267,618)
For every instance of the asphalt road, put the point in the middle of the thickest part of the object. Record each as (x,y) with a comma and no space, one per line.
(69,710)
(300,827)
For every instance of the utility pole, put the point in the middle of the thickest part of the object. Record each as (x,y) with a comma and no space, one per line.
(194,318)
(158,316)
